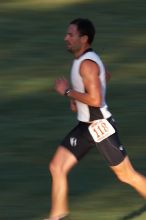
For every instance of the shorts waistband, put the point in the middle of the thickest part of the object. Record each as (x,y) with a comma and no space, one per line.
(88,123)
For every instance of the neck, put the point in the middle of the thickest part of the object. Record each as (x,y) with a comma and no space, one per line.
(82,51)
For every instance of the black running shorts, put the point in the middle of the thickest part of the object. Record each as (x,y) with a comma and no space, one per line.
(79,141)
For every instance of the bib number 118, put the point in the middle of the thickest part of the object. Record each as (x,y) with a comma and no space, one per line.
(101,129)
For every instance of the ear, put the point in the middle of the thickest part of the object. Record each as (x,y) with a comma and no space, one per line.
(85,39)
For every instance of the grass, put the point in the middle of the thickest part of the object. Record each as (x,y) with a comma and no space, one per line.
(32,56)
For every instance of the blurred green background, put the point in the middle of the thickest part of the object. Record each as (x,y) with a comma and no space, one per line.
(32,55)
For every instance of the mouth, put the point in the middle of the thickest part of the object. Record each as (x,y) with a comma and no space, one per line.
(68,46)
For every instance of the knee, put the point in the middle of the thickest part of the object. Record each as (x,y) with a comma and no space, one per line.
(56,169)
(128,178)
(53,168)
(122,177)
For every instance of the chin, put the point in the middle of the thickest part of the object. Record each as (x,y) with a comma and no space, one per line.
(70,50)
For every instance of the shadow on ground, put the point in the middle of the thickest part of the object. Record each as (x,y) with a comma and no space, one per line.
(135,213)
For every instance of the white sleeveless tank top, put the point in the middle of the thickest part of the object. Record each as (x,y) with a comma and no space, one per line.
(86,113)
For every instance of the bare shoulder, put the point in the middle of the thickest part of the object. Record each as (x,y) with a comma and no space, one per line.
(88,67)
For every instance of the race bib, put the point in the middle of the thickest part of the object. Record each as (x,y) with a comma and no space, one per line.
(100,130)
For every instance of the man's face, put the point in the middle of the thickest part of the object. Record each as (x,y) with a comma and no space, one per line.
(73,39)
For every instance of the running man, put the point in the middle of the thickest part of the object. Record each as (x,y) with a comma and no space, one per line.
(96,126)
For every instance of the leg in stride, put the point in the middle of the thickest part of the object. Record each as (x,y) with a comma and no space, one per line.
(127,174)
(59,167)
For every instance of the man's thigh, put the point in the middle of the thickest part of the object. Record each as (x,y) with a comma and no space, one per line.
(79,141)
